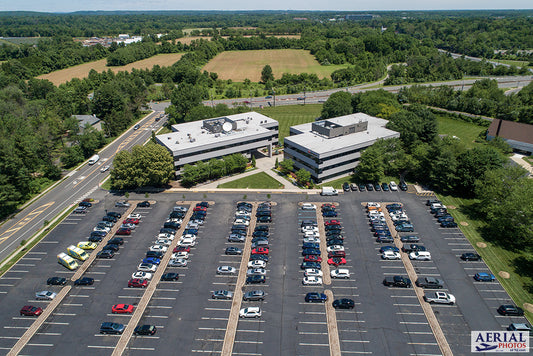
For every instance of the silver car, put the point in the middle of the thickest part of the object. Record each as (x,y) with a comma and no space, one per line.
(45,295)
(177,262)
(226,270)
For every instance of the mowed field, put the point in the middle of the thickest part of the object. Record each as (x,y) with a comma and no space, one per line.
(239,65)
(189,39)
(82,70)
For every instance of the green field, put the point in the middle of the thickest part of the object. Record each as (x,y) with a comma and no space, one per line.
(511,62)
(465,131)
(291,115)
(256,181)
(497,258)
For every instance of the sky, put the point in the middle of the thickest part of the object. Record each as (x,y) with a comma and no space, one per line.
(337,5)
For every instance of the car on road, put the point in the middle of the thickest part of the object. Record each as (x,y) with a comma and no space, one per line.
(171,276)
(315,297)
(250,312)
(105,254)
(254,295)
(343,303)
(30,310)
(141,275)
(510,309)
(112,328)
(177,262)
(340,273)
(312,280)
(420,256)
(226,270)
(336,261)
(484,277)
(390,255)
(145,330)
(136,127)
(143,204)
(122,309)
(137,283)
(45,295)
(255,279)
(222,294)
(429,283)
(84,281)
(56,281)
(397,281)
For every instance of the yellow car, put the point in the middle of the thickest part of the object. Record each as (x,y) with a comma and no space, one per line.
(87,245)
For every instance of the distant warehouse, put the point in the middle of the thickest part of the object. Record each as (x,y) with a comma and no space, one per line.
(332,147)
(213,138)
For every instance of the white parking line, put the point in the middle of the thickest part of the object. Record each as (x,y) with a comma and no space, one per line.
(18,271)
(164,298)
(422,343)
(32,258)
(209,318)
(202,339)
(415,322)
(308,344)
(36,253)
(410,313)
(72,305)
(49,242)
(406,305)
(4,277)
(404,296)
(100,347)
(401,267)
(16,327)
(167,290)
(26,264)
(212,352)
(350,321)
(212,329)
(313,322)
(495,290)
(65,314)
(95,272)
(223,309)
(159,307)
(55,323)
(7,285)
(79,296)
(248,342)
(315,313)
(130,296)
(418,332)
(357,352)
(359,341)
(311,333)
(143,348)
(157,316)
(49,334)
(46,345)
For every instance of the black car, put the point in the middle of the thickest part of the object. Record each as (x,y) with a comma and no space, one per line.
(143,204)
(145,330)
(176,215)
(259,257)
(112,328)
(369,187)
(264,219)
(105,254)
(410,238)
(343,303)
(384,239)
(308,223)
(361,187)
(469,256)
(413,248)
(429,283)
(509,309)
(333,233)
(397,281)
(245,204)
(334,242)
(116,241)
(167,230)
(112,247)
(333,228)
(310,251)
(110,218)
(114,214)
(448,224)
(95,238)
(263,213)
(260,238)
(346,186)
(377,187)
(190,231)
(254,295)
(447,217)
(203,204)
(85,203)
(255,279)
(261,228)
(156,254)
(171,225)
(260,234)
(403,186)
(315,297)
(56,281)
(84,281)
(385,187)
(170,276)
(306,265)
(232,250)
(432,201)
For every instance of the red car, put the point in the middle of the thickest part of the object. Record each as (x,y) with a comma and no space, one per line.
(181,248)
(199,208)
(312,258)
(122,309)
(337,261)
(123,231)
(332,222)
(336,254)
(131,221)
(327,205)
(30,310)
(260,251)
(137,283)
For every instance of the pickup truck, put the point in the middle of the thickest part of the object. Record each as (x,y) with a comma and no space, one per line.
(439,297)
(429,283)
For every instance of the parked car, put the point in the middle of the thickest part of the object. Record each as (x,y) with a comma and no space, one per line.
(403,186)
(412,248)
(429,283)
(122,204)
(250,312)
(143,204)
(56,281)
(450,224)
(112,328)
(226,270)
(123,231)
(222,294)
(469,256)
(390,255)
(405,227)
(397,281)
(122,309)
(420,256)
(510,309)
(313,272)
(337,261)
(255,279)
(315,297)
(145,330)
(105,254)
(84,281)
(254,295)
(232,250)
(393,186)
(171,276)
(484,277)
(177,262)
(340,273)
(343,303)
(141,275)
(409,238)
(45,295)
(137,283)
(313,265)
(30,310)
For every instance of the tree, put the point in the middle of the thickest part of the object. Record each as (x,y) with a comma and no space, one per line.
(472,164)
(253,161)
(185,97)
(303,176)
(287,165)
(266,74)
(72,156)
(370,167)
(276,164)
(338,104)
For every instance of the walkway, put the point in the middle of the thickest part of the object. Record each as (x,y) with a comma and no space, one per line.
(518,158)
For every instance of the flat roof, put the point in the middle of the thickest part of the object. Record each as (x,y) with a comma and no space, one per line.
(192,134)
(321,144)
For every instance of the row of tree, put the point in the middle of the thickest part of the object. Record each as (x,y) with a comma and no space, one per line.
(213,169)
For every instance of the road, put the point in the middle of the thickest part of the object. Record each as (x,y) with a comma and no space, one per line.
(77,185)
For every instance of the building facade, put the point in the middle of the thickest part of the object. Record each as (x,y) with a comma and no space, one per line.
(213,138)
(331,148)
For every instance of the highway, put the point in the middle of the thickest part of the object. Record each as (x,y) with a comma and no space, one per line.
(76,186)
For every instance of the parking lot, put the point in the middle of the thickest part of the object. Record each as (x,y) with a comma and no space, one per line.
(384,321)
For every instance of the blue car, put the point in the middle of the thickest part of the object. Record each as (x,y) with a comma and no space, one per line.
(315,297)
(306,265)
(310,251)
(329,214)
(190,232)
(448,224)
(484,277)
(306,245)
(152,260)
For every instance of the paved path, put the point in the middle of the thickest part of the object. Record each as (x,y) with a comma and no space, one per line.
(518,158)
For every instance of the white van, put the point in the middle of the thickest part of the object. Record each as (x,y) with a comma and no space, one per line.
(329,191)
(94,159)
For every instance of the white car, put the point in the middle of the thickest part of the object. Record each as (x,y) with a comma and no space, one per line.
(390,255)
(372,213)
(105,168)
(335,248)
(197,222)
(128,226)
(45,295)
(104,229)
(188,236)
(393,186)
(308,206)
(309,228)
(177,262)
(165,242)
(181,254)
(257,264)
(180,208)
(175,220)
(340,273)
(373,204)
(226,270)
(241,222)
(312,281)
(243,212)
(142,275)
(159,248)
(311,234)
(312,239)
(313,272)
(192,225)
(250,312)
(420,255)
(187,242)
(166,236)
(134,216)
(256,272)
(147,267)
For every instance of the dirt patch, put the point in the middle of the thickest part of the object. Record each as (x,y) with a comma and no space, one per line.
(528,307)
(481,244)
(504,274)
(451,207)
(463,223)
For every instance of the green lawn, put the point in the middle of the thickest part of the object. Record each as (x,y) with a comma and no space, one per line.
(291,115)
(497,258)
(466,131)
(512,62)
(256,181)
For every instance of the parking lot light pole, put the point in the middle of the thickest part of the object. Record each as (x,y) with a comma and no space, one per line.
(274,93)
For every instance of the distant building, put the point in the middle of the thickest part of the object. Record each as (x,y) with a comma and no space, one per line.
(213,138)
(518,135)
(332,147)
(92,120)
(360,17)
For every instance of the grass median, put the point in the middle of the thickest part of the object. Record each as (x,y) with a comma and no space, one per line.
(256,181)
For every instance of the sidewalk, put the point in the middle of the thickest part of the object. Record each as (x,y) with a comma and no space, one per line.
(519,159)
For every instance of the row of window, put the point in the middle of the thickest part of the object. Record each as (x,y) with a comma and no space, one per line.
(325,159)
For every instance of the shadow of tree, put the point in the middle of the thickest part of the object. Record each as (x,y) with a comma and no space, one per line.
(523,266)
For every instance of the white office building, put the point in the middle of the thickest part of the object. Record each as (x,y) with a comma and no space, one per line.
(213,138)
(332,147)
